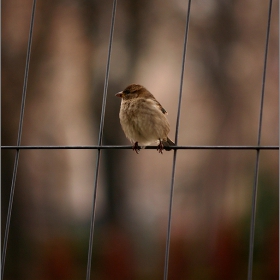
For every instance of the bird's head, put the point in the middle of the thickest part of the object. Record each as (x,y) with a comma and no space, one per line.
(132,91)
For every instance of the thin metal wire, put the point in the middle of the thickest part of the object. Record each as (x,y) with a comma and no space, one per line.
(255,185)
(10,206)
(100,147)
(167,246)
(100,140)
(128,147)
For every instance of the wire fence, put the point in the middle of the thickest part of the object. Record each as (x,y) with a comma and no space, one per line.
(99,147)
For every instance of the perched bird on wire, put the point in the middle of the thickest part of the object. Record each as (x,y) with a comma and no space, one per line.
(143,119)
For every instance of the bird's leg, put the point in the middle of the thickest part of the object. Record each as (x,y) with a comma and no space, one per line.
(136,148)
(160,147)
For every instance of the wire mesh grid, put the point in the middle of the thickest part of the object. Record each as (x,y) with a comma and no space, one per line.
(99,147)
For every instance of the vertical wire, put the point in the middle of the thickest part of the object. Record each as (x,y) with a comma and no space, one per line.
(167,247)
(100,140)
(10,206)
(254,195)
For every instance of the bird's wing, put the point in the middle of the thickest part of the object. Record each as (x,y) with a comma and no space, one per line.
(160,107)
(148,95)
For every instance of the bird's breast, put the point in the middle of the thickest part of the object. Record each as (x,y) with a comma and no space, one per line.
(143,121)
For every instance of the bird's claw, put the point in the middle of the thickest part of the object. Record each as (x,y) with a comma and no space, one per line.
(160,147)
(136,148)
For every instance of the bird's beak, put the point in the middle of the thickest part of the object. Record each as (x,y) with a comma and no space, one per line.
(119,94)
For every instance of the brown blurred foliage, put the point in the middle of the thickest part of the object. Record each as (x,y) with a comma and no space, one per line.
(220,106)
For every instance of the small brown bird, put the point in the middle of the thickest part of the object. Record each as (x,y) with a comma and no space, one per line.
(143,119)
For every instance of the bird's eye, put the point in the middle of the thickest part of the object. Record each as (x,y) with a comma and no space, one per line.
(126,91)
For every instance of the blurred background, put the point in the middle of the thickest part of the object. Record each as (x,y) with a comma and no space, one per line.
(220,106)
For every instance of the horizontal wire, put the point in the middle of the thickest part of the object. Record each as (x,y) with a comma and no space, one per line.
(109,147)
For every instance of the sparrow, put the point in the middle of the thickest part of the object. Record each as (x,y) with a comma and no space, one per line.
(143,119)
